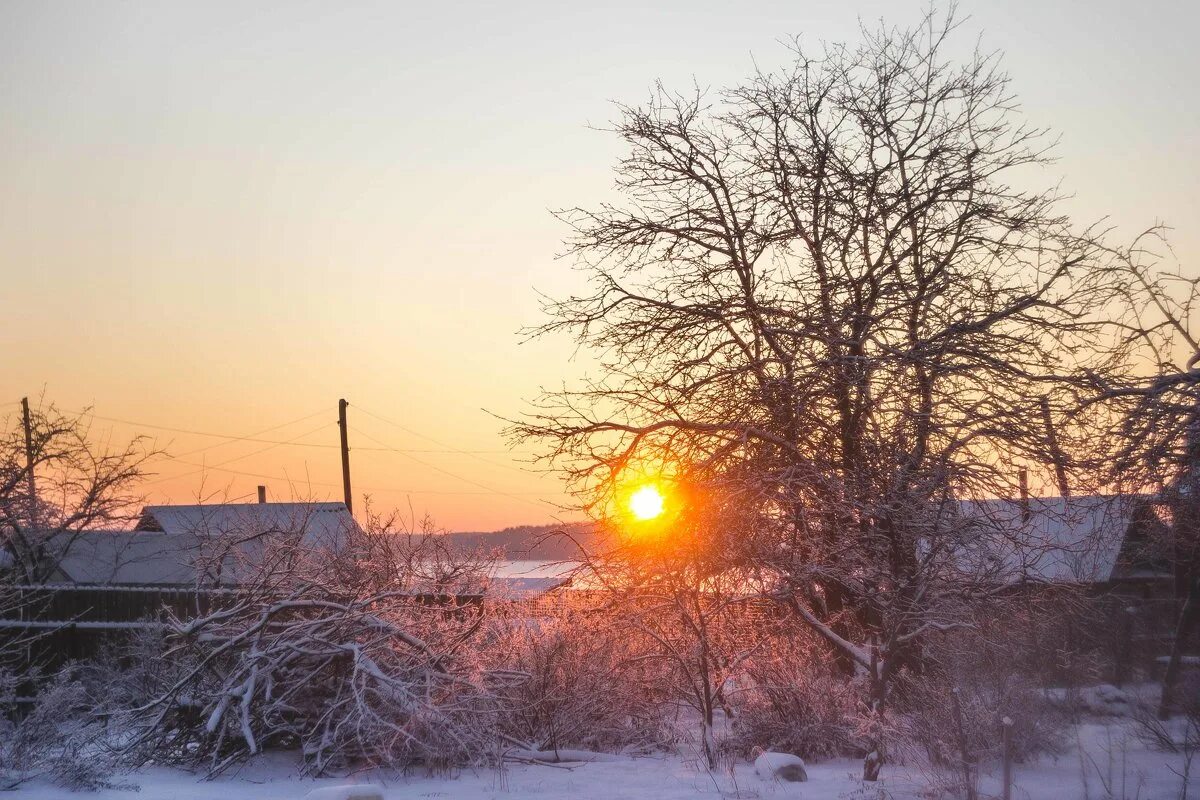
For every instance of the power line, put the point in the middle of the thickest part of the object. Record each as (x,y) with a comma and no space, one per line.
(221,467)
(435,441)
(218,465)
(252,436)
(447,451)
(294,442)
(427,465)
(229,436)
(206,467)
(288,480)
(255,437)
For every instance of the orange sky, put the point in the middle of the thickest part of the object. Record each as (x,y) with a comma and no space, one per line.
(222,217)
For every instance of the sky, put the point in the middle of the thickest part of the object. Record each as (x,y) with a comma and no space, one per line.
(219,218)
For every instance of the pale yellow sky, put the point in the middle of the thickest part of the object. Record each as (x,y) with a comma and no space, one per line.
(222,217)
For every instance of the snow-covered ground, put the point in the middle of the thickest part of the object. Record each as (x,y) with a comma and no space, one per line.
(1117,764)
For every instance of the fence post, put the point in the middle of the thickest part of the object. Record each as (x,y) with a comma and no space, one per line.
(1006,753)
(963,747)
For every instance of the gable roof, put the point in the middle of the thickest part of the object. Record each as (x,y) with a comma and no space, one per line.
(1052,539)
(122,557)
(198,544)
(318,524)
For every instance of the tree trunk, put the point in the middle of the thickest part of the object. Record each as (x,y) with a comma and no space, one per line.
(872,764)
(1187,621)
(966,758)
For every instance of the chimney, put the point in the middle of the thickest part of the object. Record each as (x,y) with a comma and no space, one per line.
(262,494)
(1023,479)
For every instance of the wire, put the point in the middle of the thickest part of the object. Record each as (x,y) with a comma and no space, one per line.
(204,467)
(254,436)
(427,465)
(294,442)
(288,480)
(229,436)
(221,467)
(435,441)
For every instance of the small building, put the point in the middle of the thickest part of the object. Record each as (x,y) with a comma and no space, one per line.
(181,560)
(187,560)
(1108,556)
(196,546)
(1098,541)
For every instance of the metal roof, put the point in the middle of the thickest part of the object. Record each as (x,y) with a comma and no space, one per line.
(318,523)
(1067,540)
(197,544)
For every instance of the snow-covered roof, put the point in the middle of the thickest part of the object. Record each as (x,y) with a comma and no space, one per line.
(526,587)
(122,557)
(1071,540)
(323,524)
(199,544)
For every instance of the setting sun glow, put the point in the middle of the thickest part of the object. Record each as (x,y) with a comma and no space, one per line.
(646,503)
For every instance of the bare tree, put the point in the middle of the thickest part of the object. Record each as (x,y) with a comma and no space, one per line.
(824,293)
(1155,404)
(79,483)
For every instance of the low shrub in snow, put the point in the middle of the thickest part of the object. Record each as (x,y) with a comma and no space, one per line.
(933,723)
(357,658)
(572,680)
(56,737)
(970,680)
(792,697)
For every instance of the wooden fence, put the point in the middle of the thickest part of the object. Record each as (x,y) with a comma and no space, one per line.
(106,607)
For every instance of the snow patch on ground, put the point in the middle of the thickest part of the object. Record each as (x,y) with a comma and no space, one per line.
(359,791)
(1112,755)
(1104,699)
(780,766)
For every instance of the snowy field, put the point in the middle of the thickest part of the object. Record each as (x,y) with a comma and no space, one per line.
(1113,765)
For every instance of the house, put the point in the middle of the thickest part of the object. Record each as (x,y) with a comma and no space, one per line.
(183,560)
(1107,557)
(187,559)
(195,546)
(1096,541)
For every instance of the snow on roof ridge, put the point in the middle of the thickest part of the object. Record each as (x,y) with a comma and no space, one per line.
(315,506)
(204,517)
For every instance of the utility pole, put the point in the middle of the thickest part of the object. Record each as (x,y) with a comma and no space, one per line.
(345,455)
(29,463)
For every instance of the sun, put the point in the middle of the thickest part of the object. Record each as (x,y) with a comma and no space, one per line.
(646,503)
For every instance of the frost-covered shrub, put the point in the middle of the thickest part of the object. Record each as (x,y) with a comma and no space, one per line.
(134,669)
(792,697)
(152,689)
(1037,727)
(56,737)
(995,671)
(363,657)
(569,678)
(1066,642)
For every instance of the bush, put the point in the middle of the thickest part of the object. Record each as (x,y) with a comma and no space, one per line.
(996,671)
(361,657)
(792,697)
(568,679)
(1037,727)
(57,737)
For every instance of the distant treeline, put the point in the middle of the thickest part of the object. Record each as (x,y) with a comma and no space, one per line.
(532,542)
